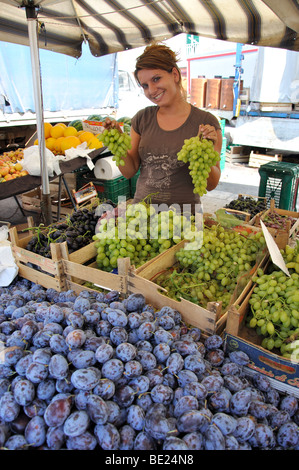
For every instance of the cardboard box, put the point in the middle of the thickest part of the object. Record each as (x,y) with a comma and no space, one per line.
(282,373)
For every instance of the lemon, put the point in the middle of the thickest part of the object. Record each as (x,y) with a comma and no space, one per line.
(57,131)
(70,131)
(86,136)
(69,142)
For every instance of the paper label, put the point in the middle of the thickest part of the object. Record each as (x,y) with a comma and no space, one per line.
(274,251)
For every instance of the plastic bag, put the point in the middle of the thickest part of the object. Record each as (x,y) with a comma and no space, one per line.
(31,161)
(8,267)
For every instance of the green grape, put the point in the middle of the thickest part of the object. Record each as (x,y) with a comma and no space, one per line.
(201,156)
(118,143)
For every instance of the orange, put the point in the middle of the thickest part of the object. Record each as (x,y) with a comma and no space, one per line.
(86,136)
(57,131)
(50,143)
(69,142)
(47,127)
(57,146)
(70,131)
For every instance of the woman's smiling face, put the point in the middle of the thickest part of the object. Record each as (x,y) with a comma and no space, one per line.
(160,86)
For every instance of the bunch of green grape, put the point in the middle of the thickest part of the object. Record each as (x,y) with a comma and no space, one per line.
(201,156)
(211,273)
(274,307)
(118,143)
(138,232)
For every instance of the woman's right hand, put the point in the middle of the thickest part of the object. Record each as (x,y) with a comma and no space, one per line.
(112,124)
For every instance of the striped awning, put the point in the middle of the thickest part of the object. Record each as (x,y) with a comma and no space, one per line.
(110,26)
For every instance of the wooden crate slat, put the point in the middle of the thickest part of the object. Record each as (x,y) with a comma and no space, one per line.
(83,255)
(191,313)
(38,277)
(256,160)
(96,276)
(25,256)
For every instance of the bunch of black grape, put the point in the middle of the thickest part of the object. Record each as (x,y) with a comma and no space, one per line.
(248,204)
(77,231)
(93,371)
(201,156)
(118,143)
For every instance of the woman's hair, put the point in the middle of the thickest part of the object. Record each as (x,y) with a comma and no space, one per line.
(157,56)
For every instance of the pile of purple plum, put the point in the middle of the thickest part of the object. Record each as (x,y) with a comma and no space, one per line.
(94,371)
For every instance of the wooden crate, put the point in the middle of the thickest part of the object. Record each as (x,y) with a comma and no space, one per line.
(45,271)
(65,270)
(210,320)
(237,154)
(282,237)
(31,202)
(80,267)
(257,159)
(282,372)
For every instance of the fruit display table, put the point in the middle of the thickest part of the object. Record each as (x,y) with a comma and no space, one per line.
(28,182)
(13,188)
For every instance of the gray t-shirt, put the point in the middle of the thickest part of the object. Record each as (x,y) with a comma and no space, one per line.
(162,176)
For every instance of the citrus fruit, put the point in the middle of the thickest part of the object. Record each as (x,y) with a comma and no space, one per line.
(50,143)
(70,131)
(86,136)
(94,143)
(57,146)
(57,131)
(69,142)
(47,127)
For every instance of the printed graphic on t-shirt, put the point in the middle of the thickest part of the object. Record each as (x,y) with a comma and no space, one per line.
(159,168)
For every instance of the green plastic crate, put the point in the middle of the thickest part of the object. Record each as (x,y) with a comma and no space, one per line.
(110,189)
(222,126)
(133,183)
(279,181)
(223,153)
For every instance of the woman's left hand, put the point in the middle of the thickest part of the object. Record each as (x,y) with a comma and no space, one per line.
(208,132)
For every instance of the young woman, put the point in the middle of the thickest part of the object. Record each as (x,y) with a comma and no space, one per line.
(158,132)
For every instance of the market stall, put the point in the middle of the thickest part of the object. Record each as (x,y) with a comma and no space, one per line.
(97,355)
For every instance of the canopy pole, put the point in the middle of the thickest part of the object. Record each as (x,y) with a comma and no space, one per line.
(37,89)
